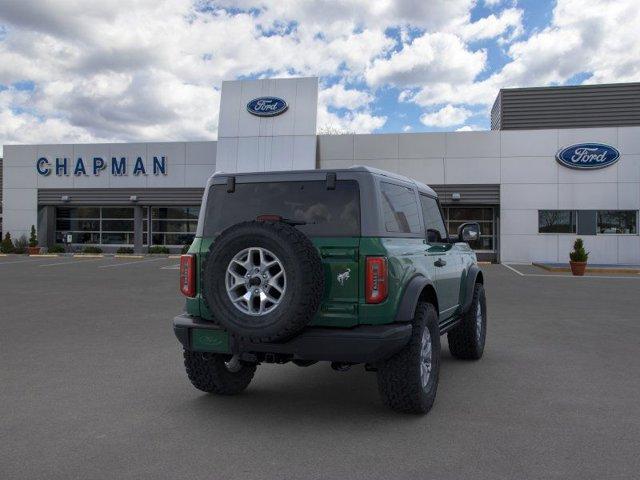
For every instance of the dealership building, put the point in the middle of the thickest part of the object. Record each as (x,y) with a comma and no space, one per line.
(558,163)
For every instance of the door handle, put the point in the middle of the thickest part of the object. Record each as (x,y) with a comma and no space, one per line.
(440,263)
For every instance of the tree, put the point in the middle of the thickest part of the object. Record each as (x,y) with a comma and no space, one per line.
(33,238)
(7,244)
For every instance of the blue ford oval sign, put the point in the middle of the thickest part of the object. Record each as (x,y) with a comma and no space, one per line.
(267,106)
(588,156)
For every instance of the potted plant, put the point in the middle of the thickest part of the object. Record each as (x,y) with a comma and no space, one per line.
(578,258)
(20,245)
(33,249)
(7,244)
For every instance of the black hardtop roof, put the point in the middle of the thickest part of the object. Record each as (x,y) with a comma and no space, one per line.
(356,168)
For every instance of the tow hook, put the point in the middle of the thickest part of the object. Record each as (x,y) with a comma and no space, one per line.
(340,366)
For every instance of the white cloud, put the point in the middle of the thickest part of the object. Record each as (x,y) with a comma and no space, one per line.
(509,22)
(151,71)
(340,97)
(432,57)
(407,128)
(447,116)
(596,38)
(358,122)
(469,128)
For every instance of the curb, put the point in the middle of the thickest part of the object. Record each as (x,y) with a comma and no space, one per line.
(45,255)
(588,270)
(88,255)
(127,255)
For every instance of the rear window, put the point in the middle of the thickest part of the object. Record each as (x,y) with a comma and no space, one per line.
(326,213)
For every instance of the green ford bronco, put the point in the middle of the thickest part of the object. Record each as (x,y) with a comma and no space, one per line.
(348,266)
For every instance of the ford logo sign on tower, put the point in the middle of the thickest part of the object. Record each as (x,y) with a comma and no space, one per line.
(588,156)
(267,106)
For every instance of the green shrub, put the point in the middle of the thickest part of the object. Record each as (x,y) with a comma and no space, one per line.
(185,249)
(124,251)
(57,248)
(91,249)
(33,238)
(579,254)
(20,245)
(158,249)
(7,244)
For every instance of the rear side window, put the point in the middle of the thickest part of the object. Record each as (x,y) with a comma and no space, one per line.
(399,209)
(433,219)
(324,213)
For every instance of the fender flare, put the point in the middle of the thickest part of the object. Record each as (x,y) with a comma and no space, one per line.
(470,281)
(410,297)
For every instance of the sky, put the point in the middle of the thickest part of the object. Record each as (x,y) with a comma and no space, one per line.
(75,71)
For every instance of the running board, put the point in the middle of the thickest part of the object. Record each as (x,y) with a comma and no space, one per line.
(449,324)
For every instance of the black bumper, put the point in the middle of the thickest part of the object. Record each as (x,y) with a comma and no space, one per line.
(362,344)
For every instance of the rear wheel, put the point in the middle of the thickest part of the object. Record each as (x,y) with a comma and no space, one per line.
(215,373)
(466,340)
(408,381)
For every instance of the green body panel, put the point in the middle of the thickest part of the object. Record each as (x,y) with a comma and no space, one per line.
(344,260)
(210,341)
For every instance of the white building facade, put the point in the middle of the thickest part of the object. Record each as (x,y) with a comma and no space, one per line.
(530,206)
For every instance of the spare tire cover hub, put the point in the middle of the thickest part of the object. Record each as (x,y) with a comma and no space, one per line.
(256,281)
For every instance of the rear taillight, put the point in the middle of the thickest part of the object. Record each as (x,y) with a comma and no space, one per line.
(188,275)
(376,281)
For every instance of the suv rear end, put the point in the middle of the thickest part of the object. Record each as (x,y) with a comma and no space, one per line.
(308,266)
(330,212)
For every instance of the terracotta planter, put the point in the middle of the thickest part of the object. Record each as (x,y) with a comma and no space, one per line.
(33,250)
(578,268)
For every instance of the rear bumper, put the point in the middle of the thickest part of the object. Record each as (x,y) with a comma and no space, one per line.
(362,344)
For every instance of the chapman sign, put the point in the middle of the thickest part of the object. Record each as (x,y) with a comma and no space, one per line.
(588,156)
(118,166)
(267,106)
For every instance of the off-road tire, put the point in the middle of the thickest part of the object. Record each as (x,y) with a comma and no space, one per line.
(399,379)
(464,341)
(208,372)
(304,278)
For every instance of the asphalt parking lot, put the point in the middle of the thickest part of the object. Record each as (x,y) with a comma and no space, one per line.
(92,386)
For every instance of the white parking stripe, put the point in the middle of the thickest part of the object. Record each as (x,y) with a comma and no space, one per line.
(513,270)
(131,263)
(171,267)
(72,262)
(22,261)
(551,275)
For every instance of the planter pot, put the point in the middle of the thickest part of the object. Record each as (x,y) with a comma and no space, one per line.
(578,268)
(33,250)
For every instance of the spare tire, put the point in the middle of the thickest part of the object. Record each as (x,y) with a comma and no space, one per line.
(263,281)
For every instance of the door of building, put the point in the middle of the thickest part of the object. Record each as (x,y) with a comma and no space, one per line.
(486,247)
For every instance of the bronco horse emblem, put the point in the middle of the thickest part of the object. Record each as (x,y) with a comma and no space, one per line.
(344,276)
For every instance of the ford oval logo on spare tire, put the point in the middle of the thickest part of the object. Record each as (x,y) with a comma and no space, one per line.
(267,106)
(588,156)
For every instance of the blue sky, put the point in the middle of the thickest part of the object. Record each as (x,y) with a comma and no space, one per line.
(77,71)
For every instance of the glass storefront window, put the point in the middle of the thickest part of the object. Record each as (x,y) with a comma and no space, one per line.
(618,221)
(95,225)
(172,226)
(556,221)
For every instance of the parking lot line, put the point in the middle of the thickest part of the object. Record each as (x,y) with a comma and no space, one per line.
(74,261)
(551,275)
(30,260)
(171,267)
(513,269)
(131,263)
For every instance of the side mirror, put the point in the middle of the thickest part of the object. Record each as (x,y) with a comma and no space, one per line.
(469,232)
